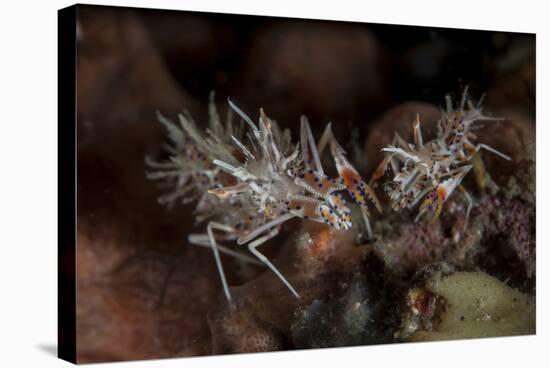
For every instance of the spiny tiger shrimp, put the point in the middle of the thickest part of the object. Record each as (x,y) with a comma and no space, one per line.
(432,171)
(249,184)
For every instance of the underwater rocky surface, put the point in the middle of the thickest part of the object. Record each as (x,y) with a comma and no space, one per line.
(143,292)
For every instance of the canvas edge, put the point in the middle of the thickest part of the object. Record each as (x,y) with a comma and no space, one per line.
(66,160)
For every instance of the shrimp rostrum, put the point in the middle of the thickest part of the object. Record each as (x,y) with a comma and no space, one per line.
(259,180)
(429,172)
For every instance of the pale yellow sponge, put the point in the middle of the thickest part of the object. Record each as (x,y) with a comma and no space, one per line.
(474,305)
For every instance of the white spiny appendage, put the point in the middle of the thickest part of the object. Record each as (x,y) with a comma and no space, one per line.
(230,169)
(367,222)
(327,135)
(209,229)
(308,143)
(265,227)
(417,132)
(243,116)
(252,247)
(203,241)
(491,149)
(403,153)
(245,150)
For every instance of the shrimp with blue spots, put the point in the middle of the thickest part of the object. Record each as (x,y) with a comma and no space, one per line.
(259,180)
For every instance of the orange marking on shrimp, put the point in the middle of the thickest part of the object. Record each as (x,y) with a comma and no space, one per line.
(319,183)
(349,176)
(441,195)
(352,181)
(380,170)
(358,189)
(265,119)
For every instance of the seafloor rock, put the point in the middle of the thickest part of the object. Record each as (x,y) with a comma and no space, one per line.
(523,183)
(516,88)
(121,83)
(508,230)
(141,292)
(131,304)
(327,71)
(500,238)
(358,317)
(235,329)
(466,305)
(513,136)
(346,299)
(407,246)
